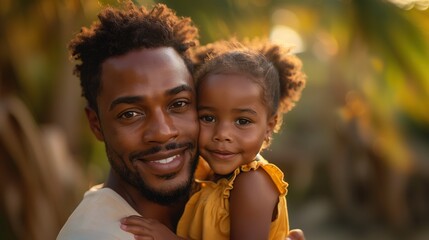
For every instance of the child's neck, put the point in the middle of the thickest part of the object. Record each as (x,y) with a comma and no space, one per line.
(216,177)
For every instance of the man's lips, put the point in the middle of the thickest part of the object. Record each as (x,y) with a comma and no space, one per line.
(163,156)
(160,152)
(164,162)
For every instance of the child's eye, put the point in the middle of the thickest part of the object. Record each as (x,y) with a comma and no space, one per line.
(242,121)
(207,118)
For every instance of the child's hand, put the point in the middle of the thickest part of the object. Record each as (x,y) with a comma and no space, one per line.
(296,234)
(147,229)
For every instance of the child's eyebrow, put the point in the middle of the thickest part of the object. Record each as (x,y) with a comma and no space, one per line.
(238,110)
(205,108)
(245,110)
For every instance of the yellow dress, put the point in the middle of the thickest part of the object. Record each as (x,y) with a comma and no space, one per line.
(206,215)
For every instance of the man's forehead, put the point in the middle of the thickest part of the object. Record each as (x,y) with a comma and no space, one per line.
(161,56)
(164,61)
(145,73)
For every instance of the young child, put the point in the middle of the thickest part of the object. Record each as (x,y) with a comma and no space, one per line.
(243,90)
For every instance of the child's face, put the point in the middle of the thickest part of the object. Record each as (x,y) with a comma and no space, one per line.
(233,121)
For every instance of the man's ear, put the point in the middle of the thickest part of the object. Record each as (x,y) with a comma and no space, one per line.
(94,123)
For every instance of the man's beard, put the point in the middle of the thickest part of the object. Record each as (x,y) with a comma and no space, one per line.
(166,197)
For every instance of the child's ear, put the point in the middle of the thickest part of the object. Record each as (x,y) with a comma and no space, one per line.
(94,123)
(272,123)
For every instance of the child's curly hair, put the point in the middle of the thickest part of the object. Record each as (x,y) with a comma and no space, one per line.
(119,31)
(269,65)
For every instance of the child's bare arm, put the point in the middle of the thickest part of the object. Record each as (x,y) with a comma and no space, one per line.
(252,202)
(144,228)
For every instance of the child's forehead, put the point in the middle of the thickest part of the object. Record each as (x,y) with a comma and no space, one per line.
(232,75)
(230,95)
(226,84)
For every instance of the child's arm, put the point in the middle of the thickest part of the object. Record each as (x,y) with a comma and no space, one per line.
(144,228)
(252,203)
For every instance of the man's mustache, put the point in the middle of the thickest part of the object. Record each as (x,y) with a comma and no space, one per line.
(171,146)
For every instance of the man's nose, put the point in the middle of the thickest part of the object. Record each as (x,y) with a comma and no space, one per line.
(161,128)
(222,133)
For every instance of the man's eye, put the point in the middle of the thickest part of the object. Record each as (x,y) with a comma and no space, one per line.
(129,115)
(207,118)
(242,121)
(179,104)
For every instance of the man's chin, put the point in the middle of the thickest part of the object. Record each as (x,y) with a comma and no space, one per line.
(173,189)
(167,196)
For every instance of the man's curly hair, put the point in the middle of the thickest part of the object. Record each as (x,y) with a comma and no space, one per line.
(121,30)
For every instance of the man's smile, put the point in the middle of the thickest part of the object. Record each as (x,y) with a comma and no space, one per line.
(164,162)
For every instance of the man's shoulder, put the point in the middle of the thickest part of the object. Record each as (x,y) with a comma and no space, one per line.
(88,234)
(97,217)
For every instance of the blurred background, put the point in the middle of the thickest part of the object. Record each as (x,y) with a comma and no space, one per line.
(355,149)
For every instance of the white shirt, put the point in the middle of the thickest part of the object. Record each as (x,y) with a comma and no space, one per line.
(97,217)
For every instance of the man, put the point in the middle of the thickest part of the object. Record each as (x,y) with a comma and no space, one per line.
(135,74)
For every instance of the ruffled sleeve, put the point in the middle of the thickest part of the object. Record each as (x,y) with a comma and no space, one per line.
(277,176)
(228,183)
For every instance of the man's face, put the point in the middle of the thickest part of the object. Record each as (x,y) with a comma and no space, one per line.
(148,122)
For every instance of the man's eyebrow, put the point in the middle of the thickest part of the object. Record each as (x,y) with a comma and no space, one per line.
(126,99)
(134,99)
(178,89)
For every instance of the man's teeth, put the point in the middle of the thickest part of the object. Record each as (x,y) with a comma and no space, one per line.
(166,160)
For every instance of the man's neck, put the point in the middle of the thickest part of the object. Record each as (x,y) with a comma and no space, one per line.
(166,214)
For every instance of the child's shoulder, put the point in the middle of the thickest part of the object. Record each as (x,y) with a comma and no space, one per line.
(254,190)
(256,180)
(261,173)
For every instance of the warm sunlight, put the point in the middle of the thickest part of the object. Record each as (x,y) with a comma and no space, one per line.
(288,37)
(409,4)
